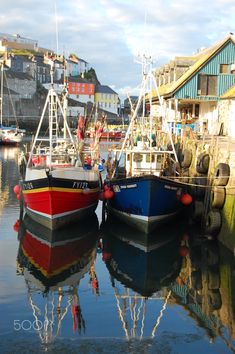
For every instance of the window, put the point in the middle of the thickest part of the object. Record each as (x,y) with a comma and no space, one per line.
(148,157)
(224,69)
(137,157)
(207,85)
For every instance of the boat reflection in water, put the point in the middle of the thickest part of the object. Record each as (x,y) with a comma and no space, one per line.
(53,263)
(141,271)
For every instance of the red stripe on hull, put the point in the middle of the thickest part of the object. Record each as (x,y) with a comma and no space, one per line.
(56,202)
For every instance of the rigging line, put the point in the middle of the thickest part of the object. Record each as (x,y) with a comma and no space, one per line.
(160,315)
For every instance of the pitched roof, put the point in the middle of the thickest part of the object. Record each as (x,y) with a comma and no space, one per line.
(229,94)
(203,57)
(104,89)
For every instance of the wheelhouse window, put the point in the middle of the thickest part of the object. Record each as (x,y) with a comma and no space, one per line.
(207,85)
(148,157)
(138,157)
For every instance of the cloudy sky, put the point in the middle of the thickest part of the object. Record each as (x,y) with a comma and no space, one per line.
(110,34)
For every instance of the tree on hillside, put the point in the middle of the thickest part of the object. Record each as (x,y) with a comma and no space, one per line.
(91,76)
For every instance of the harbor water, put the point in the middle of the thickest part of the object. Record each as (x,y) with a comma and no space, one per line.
(96,287)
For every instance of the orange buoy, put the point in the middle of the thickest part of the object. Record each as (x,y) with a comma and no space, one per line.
(16,189)
(186,199)
(108,194)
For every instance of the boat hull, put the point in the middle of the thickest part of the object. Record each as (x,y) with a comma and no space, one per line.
(54,201)
(145,201)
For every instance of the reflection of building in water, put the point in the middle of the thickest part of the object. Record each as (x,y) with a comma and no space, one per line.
(206,289)
(227,289)
(53,263)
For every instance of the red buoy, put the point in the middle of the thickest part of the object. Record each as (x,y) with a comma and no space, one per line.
(106,187)
(16,189)
(108,194)
(16,225)
(18,196)
(186,199)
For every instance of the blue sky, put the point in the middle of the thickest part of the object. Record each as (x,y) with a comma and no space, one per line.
(109,34)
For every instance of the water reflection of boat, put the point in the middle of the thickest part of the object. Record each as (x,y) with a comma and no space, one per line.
(49,257)
(53,267)
(140,273)
(143,267)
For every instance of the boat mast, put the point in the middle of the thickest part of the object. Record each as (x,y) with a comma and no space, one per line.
(1,98)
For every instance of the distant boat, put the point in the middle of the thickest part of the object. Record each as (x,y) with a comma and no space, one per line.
(59,187)
(144,173)
(9,135)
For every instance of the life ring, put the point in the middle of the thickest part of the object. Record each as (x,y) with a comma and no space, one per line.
(222,173)
(213,222)
(186,158)
(218,196)
(203,162)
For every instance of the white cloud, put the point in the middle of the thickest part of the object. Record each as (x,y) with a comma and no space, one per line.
(109,34)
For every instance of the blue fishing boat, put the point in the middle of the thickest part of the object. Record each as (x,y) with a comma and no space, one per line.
(145,184)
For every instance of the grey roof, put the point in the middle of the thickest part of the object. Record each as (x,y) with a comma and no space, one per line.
(18,75)
(105,89)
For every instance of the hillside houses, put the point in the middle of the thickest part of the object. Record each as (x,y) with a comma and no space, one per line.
(28,63)
(193,87)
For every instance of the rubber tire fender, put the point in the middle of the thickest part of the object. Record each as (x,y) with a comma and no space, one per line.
(218,196)
(213,222)
(203,162)
(186,158)
(222,173)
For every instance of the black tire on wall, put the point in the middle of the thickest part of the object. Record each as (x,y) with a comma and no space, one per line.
(213,222)
(186,158)
(218,196)
(203,162)
(222,173)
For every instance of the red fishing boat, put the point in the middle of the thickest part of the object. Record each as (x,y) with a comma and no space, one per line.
(58,186)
